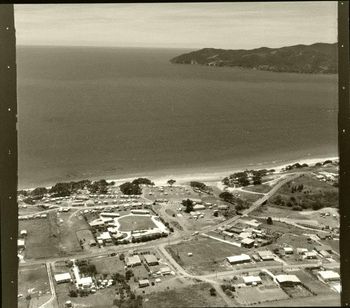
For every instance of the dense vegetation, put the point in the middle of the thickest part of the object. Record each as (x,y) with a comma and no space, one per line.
(245,178)
(200,186)
(130,189)
(188,204)
(315,58)
(299,196)
(142,181)
(237,202)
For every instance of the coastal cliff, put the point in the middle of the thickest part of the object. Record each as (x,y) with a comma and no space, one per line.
(315,58)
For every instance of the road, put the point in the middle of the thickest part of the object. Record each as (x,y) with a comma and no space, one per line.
(51,303)
(287,178)
(175,238)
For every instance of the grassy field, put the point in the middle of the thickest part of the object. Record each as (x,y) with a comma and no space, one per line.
(133,223)
(101,299)
(33,278)
(191,296)
(108,265)
(253,295)
(43,237)
(314,194)
(312,301)
(69,229)
(262,188)
(208,255)
(313,284)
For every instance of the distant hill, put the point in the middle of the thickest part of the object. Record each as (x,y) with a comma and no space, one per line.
(315,58)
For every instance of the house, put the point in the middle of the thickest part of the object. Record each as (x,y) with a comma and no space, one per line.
(143,283)
(104,214)
(143,212)
(288,250)
(105,237)
(301,251)
(325,254)
(243,235)
(328,276)
(230,234)
(21,244)
(287,280)
(253,222)
(199,207)
(62,278)
(92,243)
(266,255)
(247,243)
(151,260)
(252,280)
(236,230)
(133,261)
(24,233)
(85,282)
(243,258)
(165,270)
(310,255)
(97,223)
(222,207)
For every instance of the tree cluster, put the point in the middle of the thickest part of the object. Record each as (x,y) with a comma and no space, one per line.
(142,181)
(188,204)
(130,189)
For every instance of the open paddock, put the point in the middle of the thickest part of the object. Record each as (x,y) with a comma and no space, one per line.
(312,283)
(102,298)
(85,236)
(43,237)
(33,280)
(312,301)
(297,291)
(71,226)
(108,265)
(190,296)
(208,255)
(259,294)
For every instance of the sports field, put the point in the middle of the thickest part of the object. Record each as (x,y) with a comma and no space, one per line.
(133,223)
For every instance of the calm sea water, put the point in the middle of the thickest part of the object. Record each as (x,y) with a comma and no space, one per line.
(91,112)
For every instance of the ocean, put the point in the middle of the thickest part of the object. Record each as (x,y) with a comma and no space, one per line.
(86,112)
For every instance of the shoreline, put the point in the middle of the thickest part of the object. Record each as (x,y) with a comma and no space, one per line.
(183,176)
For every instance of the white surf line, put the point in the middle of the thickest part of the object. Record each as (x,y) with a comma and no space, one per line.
(221,240)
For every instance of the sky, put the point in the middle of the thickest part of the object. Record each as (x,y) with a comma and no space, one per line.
(177,25)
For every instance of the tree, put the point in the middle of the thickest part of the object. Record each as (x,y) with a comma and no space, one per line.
(256,179)
(171,182)
(226,196)
(269,221)
(39,192)
(188,204)
(121,257)
(142,181)
(72,293)
(61,189)
(212,292)
(130,189)
(198,185)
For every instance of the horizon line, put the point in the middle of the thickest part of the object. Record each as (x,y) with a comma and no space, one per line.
(166,47)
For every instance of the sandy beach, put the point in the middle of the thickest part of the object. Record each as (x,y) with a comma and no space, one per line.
(210,177)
